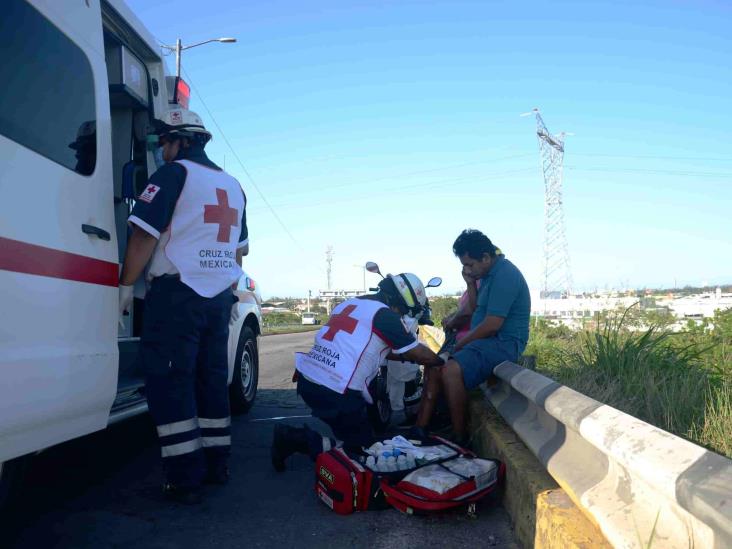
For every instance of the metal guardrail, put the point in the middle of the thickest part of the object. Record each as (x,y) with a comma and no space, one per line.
(643,486)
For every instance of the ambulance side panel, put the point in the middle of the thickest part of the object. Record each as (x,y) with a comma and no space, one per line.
(58,279)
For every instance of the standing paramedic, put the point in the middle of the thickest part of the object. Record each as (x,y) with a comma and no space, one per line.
(190,225)
(499,329)
(334,377)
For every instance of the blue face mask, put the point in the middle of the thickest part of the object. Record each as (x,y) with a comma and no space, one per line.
(158,155)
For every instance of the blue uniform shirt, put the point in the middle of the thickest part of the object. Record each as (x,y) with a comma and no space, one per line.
(503,292)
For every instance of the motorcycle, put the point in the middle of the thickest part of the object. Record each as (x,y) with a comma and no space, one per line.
(397,387)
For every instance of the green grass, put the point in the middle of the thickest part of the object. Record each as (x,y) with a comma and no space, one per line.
(672,380)
(288,329)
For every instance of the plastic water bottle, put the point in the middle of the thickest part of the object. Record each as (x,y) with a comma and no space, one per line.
(391,464)
(381,464)
(402,462)
(411,463)
(371,463)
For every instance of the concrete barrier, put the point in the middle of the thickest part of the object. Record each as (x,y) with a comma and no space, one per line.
(543,515)
(641,485)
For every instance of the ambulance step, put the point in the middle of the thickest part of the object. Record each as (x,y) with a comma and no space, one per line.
(125,413)
(128,397)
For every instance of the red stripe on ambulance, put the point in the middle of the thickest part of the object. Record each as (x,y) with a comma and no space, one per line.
(22,257)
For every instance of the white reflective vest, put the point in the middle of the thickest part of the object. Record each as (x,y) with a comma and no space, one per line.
(205,229)
(340,344)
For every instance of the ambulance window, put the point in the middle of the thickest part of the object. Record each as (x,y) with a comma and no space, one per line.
(47,89)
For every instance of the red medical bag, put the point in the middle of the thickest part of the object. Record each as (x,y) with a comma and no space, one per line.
(345,485)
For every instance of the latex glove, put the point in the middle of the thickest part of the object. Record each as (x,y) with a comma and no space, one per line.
(125,300)
(235,313)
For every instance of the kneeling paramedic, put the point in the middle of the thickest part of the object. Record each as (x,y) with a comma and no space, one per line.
(334,377)
(191,221)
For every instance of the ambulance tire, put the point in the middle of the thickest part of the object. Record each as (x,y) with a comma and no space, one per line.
(243,388)
(12,474)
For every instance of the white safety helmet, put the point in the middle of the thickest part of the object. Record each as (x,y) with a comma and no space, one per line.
(185,123)
(411,290)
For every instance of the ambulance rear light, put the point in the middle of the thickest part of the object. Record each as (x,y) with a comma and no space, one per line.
(179,92)
(251,286)
(182,93)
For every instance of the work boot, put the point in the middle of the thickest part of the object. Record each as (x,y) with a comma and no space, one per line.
(179,494)
(286,441)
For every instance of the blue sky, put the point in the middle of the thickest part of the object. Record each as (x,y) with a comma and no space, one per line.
(385,128)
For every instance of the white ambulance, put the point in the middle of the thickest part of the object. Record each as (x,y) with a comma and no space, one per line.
(81,82)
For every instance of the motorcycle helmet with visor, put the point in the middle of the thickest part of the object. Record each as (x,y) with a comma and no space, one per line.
(406,292)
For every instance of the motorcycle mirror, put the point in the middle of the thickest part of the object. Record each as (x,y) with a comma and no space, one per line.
(373,268)
(434,282)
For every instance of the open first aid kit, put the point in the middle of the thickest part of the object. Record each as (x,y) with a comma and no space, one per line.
(415,477)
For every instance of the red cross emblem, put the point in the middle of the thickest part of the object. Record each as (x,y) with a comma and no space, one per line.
(151,189)
(341,323)
(222,214)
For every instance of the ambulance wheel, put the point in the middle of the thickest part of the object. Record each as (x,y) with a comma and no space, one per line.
(243,386)
(12,473)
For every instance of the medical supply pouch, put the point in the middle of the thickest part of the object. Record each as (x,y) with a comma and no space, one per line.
(456,481)
(345,485)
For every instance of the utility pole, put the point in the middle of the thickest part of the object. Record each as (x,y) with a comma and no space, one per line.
(309,294)
(557,275)
(329,262)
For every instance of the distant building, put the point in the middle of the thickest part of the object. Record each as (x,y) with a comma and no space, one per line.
(574,311)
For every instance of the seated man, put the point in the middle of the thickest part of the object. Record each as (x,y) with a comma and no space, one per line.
(334,377)
(499,329)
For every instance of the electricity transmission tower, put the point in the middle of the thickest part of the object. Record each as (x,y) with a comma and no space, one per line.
(557,274)
(329,261)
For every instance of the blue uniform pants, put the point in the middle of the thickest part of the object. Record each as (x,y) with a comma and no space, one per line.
(184,356)
(344,413)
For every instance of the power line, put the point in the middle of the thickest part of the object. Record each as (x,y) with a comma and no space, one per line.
(432,184)
(681,173)
(410,174)
(244,169)
(653,157)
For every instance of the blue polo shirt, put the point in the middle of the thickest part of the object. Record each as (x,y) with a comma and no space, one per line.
(503,292)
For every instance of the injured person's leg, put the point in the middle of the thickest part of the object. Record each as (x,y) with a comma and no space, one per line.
(430,391)
(457,399)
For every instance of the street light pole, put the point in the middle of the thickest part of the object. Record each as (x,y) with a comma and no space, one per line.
(178,50)
(179,47)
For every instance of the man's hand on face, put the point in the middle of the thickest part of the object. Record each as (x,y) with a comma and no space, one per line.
(469,280)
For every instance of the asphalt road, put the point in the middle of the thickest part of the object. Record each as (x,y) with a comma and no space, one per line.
(103,491)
